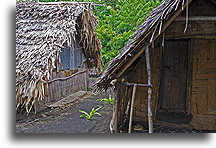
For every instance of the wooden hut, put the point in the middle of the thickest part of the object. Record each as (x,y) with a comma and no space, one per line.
(56,49)
(177,85)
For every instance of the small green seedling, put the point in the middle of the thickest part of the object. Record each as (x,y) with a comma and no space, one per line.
(89,116)
(109,100)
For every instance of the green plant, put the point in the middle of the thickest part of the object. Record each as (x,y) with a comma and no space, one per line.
(117,22)
(89,116)
(109,100)
(118,19)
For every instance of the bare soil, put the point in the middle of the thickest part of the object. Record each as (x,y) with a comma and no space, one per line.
(67,119)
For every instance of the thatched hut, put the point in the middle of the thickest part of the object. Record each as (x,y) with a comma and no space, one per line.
(56,49)
(166,73)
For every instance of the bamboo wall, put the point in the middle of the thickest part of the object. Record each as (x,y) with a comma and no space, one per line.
(203,84)
(61,87)
(201,89)
(201,99)
(138,74)
(140,110)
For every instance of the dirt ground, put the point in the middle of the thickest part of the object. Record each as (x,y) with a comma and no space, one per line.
(67,119)
(143,128)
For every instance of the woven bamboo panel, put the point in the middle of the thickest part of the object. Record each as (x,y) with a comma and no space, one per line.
(203,84)
(62,87)
(139,75)
(140,112)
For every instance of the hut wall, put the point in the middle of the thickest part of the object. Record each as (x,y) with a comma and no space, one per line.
(140,110)
(61,87)
(120,105)
(72,58)
(199,25)
(195,29)
(201,89)
(203,84)
(200,34)
(137,74)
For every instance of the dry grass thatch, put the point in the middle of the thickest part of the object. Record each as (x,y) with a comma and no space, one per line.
(41,31)
(143,36)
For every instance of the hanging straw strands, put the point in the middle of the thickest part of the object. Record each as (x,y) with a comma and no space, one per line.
(145,34)
(41,31)
(88,37)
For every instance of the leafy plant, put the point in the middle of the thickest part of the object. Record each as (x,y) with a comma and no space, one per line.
(89,116)
(118,19)
(109,100)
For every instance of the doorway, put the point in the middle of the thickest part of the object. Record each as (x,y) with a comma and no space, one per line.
(173,85)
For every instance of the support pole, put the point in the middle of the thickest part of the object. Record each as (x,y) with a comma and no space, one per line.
(131,109)
(150,120)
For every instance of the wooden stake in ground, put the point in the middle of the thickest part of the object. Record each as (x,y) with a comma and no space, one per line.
(150,121)
(131,109)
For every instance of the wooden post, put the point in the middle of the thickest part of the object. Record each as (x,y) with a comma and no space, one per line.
(150,121)
(131,109)
(126,113)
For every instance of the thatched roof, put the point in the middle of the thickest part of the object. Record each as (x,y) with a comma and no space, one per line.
(155,24)
(41,31)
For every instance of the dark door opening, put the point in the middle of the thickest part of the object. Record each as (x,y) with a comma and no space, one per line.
(173,85)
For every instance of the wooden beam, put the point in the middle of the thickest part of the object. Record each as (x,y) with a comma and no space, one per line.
(150,120)
(130,62)
(126,113)
(138,84)
(65,78)
(196,18)
(131,109)
(194,36)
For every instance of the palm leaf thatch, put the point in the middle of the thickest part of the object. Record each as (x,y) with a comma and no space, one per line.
(41,31)
(144,35)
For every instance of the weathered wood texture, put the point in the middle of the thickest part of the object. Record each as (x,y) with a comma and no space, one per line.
(119,107)
(203,84)
(173,83)
(200,101)
(132,108)
(138,74)
(148,69)
(73,58)
(141,102)
(195,28)
(62,87)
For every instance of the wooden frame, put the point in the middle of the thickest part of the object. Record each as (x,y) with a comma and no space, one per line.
(196,18)
(188,81)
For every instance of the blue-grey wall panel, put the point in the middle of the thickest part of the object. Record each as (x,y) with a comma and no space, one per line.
(72,58)
(65,56)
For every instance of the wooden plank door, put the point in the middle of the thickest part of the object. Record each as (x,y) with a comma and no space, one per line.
(173,85)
